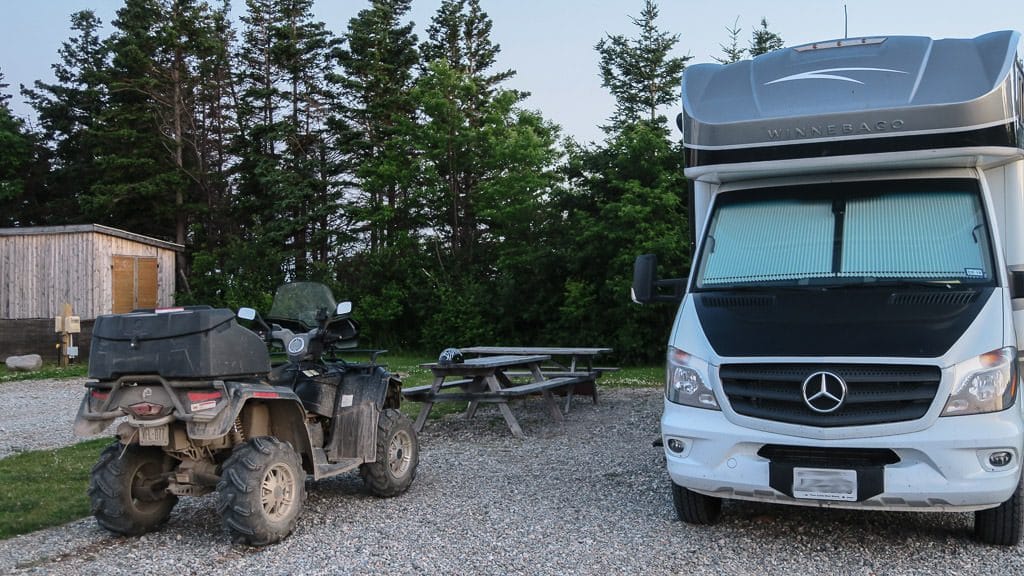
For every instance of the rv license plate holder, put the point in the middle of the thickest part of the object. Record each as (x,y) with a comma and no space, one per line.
(154,436)
(825,484)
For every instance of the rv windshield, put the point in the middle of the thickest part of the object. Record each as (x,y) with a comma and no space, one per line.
(861,233)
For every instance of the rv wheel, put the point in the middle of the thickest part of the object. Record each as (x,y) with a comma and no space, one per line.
(1001,525)
(262,487)
(397,456)
(694,508)
(127,489)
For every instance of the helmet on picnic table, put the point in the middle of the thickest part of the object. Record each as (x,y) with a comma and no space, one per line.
(450,356)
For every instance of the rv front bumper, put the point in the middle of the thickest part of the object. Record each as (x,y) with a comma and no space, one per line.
(957,464)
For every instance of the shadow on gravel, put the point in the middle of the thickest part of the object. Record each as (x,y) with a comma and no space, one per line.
(864,528)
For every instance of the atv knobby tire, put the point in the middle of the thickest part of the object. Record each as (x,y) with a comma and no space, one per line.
(127,489)
(261,490)
(398,454)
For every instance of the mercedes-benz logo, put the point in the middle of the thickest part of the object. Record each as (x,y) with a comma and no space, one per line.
(824,392)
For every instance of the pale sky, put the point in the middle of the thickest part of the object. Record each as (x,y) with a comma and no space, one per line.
(550,43)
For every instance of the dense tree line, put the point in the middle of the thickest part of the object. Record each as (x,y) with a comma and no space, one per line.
(402,171)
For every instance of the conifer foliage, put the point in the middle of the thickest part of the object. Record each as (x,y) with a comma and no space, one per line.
(406,172)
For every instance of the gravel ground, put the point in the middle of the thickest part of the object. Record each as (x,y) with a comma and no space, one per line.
(38,414)
(588,497)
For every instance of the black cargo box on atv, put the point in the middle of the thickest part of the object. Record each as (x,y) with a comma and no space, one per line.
(187,343)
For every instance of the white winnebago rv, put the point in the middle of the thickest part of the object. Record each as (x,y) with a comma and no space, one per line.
(848,335)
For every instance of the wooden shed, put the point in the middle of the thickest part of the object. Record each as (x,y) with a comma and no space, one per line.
(97,269)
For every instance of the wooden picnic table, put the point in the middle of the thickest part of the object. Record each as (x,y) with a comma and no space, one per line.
(566,361)
(487,379)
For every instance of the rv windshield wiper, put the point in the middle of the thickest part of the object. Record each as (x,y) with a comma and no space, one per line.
(763,288)
(899,283)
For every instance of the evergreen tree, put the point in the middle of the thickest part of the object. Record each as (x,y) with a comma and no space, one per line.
(764,40)
(286,172)
(137,184)
(68,113)
(16,158)
(625,198)
(210,127)
(732,52)
(374,131)
(640,72)
(487,170)
(457,90)
(150,139)
(308,201)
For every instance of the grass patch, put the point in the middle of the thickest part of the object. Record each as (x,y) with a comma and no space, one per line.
(634,377)
(48,371)
(46,487)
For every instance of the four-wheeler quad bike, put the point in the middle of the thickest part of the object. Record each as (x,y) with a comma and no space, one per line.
(205,411)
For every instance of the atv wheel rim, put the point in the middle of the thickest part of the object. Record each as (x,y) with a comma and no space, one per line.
(143,498)
(400,453)
(278,492)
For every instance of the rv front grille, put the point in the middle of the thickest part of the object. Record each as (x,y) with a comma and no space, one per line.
(828,457)
(856,394)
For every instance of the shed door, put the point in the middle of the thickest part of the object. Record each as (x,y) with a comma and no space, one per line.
(134,283)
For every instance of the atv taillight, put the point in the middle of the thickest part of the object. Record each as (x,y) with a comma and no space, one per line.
(145,409)
(100,395)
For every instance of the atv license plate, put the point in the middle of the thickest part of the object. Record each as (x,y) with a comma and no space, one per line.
(825,484)
(154,436)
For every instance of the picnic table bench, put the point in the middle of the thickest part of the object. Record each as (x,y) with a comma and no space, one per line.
(564,362)
(486,380)
(497,375)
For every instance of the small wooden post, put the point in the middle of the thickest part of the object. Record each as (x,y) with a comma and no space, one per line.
(65,336)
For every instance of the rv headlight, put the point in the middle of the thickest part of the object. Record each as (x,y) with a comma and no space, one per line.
(987,383)
(686,381)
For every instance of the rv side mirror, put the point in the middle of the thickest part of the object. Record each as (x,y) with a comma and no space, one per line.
(646,286)
(645,270)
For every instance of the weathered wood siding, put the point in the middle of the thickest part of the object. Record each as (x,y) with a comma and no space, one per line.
(41,272)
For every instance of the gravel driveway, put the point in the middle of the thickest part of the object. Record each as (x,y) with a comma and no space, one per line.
(588,497)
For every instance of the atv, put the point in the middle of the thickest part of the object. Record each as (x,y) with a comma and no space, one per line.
(204,409)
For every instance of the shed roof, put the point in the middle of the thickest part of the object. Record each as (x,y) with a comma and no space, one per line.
(96,228)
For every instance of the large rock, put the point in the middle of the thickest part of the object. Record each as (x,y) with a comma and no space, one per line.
(26,363)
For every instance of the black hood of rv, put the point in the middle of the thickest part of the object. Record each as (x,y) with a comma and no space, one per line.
(905,322)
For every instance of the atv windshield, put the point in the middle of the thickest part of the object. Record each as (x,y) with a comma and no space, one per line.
(872,233)
(301,302)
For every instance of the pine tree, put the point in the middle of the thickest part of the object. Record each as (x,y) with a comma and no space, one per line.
(286,172)
(137,184)
(763,40)
(378,60)
(625,197)
(487,168)
(151,139)
(639,72)
(16,157)
(457,91)
(374,129)
(68,113)
(732,52)
(309,203)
